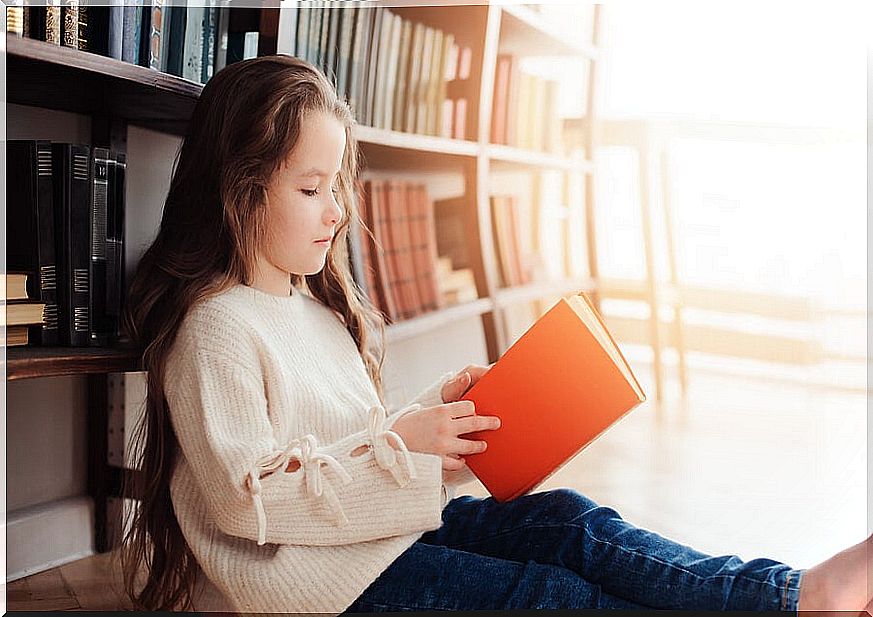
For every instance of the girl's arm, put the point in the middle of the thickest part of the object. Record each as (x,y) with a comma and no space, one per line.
(219,412)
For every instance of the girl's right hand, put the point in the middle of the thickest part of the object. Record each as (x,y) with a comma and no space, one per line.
(435,430)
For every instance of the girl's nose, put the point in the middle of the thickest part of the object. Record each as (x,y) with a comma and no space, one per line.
(334,212)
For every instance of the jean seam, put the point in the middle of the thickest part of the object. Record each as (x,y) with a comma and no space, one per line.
(590,535)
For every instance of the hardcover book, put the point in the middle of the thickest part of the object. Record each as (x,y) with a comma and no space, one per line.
(556,389)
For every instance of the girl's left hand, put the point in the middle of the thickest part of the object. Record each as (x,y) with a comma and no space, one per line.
(455,388)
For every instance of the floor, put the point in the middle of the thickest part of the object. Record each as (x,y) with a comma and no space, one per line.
(742,466)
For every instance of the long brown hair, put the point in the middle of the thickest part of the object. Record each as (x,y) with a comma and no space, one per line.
(245,124)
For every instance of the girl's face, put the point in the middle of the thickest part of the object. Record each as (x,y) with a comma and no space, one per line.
(301,205)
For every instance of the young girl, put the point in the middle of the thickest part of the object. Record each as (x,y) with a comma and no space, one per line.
(273,471)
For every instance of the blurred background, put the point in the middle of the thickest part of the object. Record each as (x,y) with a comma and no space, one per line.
(730,247)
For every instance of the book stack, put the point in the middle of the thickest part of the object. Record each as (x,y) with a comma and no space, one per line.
(191,40)
(394,255)
(514,264)
(455,286)
(395,73)
(21,312)
(525,109)
(65,221)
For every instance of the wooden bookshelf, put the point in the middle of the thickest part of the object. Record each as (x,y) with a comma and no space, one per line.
(116,94)
(28,362)
(45,75)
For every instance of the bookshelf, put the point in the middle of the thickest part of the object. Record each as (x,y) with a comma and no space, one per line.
(117,94)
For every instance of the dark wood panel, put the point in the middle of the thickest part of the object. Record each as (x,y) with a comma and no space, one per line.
(28,362)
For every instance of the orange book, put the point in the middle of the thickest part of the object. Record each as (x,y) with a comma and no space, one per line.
(555,390)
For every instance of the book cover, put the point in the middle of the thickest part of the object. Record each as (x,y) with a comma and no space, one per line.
(556,389)
(30,238)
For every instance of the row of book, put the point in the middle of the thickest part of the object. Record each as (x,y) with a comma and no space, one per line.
(525,108)
(65,232)
(395,73)
(176,38)
(395,256)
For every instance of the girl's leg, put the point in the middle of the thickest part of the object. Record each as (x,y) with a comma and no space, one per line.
(427,577)
(563,527)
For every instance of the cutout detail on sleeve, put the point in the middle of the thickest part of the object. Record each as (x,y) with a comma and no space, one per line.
(304,450)
(386,455)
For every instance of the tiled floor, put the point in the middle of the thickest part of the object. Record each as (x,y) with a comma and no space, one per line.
(743,466)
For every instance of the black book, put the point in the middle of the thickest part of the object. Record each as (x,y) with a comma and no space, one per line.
(115,244)
(71,180)
(30,242)
(176,44)
(97,247)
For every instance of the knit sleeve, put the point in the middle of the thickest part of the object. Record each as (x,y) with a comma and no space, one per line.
(219,413)
(431,396)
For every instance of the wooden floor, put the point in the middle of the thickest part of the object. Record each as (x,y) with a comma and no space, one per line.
(744,467)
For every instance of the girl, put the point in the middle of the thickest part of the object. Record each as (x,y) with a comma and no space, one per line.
(272,470)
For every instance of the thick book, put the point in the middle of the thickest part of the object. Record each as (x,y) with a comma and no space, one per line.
(30,238)
(71,176)
(559,387)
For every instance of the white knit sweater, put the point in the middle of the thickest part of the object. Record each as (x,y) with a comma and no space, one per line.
(254,381)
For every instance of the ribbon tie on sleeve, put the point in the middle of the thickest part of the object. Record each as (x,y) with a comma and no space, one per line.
(305,450)
(386,455)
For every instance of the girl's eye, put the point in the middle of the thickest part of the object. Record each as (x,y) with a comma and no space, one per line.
(314,192)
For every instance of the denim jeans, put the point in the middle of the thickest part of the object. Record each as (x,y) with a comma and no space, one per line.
(559,549)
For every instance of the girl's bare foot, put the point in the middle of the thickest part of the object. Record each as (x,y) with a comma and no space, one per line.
(841,582)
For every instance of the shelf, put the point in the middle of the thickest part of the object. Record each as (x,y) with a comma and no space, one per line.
(414,141)
(44,75)
(27,362)
(520,156)
(541,289)
(523,30)
(437,319)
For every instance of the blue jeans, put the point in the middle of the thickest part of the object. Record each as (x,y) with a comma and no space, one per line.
(559,549)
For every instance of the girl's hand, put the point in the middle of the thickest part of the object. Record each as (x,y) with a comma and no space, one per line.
(435,430)
(454,389)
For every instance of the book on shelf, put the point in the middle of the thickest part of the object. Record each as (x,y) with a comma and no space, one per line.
(525,108)
(396,262)
(399,250)
(23,312)
(557,389)
(15,285)
(30,219)
(507,228)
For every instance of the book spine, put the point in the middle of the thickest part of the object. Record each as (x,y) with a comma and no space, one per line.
(375,191)
(402,70)
(116,30)
(347,24)
(130,38)
(53,22)
(98,255)
(333,34)
(208,57)
(70,167)
(15,18)
(47,280)
(70,27)
(192,52)
(156,29)
(176,42)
